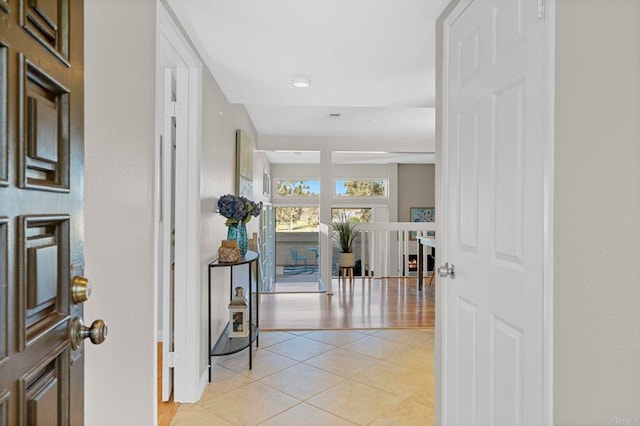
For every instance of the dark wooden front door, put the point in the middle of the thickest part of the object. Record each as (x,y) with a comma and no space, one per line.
(41,210)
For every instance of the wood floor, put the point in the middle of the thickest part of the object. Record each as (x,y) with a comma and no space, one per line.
(166,410)
(363,303)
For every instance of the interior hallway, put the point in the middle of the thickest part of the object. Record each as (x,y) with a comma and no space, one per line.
(328,377)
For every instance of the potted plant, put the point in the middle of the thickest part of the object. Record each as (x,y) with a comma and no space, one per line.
(344,236)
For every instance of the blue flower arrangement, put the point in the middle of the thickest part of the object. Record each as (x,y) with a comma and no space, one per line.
(238,209)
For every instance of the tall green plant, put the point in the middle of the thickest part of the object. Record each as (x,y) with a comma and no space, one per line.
(345,233)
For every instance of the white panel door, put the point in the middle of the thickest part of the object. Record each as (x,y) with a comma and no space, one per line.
(175,92)
(167,230)
(494,151)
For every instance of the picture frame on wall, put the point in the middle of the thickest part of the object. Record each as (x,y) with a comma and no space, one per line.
(244,165)
(266,183)
(421,214)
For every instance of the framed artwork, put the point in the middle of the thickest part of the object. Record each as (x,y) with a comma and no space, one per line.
(421,214)
(244,165)
(266,183)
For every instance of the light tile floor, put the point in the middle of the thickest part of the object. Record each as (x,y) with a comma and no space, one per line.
(363,377)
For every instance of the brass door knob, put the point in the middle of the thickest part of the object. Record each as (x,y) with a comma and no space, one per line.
(97,333)
(80,289)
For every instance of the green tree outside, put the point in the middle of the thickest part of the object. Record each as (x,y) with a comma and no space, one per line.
(293,188)
(288,217)
(363,188)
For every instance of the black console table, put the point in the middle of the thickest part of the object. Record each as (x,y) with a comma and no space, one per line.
(226,345)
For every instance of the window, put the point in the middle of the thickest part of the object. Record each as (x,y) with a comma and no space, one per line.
(297,188)
(363,215)
(297,219)
(361,188)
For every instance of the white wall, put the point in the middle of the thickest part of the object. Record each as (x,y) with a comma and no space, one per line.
(302,171)
(597,211)
(221,119)
(119,136)
(359,171)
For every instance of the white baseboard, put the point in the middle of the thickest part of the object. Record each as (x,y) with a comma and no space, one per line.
(204,381)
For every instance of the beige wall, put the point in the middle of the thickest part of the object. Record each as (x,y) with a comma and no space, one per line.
(119,135)
(416,188)
(218,177)
(597,211)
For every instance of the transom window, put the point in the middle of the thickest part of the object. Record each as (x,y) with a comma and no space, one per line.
(297,188)
(361,188)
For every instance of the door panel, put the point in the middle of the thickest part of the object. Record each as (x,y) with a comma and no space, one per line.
(47,22)
(43,263)
(3,293)
(493,157)
(508,173)
(41,216)
(4,104)
(44,118)
(42,389)
(467,147)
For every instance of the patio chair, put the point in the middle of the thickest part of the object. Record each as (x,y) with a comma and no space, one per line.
(296,257)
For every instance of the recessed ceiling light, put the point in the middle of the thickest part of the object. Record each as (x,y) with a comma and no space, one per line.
(301,81)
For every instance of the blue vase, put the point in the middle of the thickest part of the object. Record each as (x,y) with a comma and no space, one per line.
(238,233)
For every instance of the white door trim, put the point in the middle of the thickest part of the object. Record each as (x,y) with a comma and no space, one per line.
(165,224)
(446,19)
(187,386)
(549,166)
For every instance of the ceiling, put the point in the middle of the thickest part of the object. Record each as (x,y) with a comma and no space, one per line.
(370,61)
(350,157)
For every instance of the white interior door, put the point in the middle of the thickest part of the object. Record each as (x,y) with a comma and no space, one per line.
(172,233)
(167,230)
(494,147)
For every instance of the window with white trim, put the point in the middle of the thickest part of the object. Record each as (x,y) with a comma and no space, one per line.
(361,188)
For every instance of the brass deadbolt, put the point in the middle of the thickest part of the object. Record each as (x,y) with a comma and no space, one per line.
(80,289)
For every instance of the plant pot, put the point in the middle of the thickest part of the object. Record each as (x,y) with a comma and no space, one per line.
(347,259)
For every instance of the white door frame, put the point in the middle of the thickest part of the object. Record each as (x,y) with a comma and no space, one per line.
(446,19)
(187,377)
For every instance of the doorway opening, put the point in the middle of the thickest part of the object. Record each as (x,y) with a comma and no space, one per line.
(177,211)
(297,249)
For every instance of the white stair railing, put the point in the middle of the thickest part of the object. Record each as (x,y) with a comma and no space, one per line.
(384,248)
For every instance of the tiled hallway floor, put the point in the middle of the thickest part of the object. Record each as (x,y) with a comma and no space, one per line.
(363,377)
